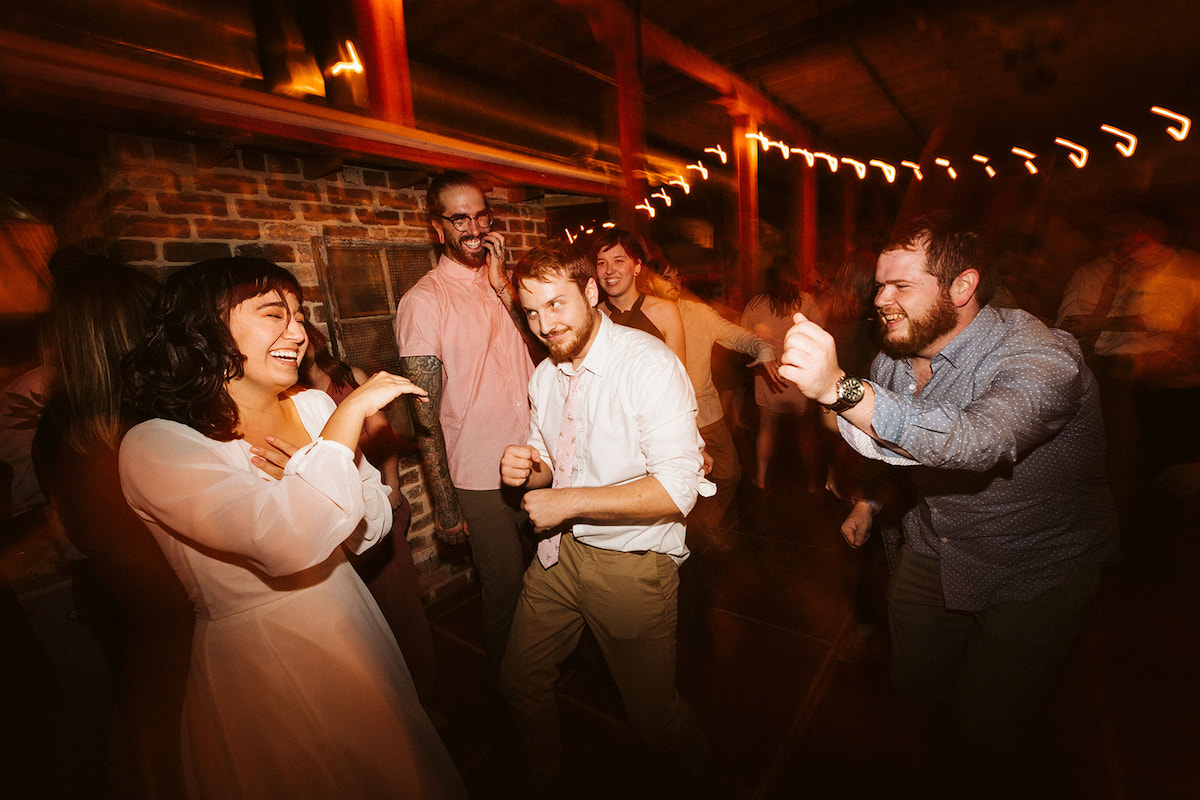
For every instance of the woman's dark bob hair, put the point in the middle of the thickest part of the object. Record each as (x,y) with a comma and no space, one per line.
(180,370)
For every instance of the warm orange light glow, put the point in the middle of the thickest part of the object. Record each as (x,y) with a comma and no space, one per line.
(699,168)
(916,168)
(609,225)
(570,238)
(1028,156)
(662,194)
(1079,156)
(830,160)
(763,140)
(681,183)
(1126,147)
(809,157)
(783,148)
(1185,124)
(889,171)
(859,166)
(945,162)
(353,65)
(991,173)
(718,152)
(645,206)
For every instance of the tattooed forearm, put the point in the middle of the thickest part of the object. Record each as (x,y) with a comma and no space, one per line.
(426,372)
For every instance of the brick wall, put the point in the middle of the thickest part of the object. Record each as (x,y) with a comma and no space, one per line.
(166,204)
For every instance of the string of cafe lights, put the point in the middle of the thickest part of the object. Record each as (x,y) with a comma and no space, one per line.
(1125,143)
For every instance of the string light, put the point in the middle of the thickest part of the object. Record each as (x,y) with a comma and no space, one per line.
(718,152)
(1079,156)
(916,168)
(645,206)
(830,160)
(945,162)
(859,166)
(666,198)
(1126,147)
(353,65)
(1185,124)
(889,171)
(1028,156)
(681,183)
(991,172)
(703,170)
(763,140)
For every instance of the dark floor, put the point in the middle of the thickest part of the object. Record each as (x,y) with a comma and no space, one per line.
(796,704)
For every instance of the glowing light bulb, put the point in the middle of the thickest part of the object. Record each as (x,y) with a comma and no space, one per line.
(718,152)
(859,166)
(1125,147)
(662,194)
(762,140)
(645,206)
(1185,124)
(1028,156)
(681,183)
(889,171)
(991,173)
(830,160)
(945,162)
(699,168)
(809,157)
(1079,154)
(353,65)
(916,168)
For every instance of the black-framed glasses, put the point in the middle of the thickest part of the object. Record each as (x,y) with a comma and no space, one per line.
(462,222)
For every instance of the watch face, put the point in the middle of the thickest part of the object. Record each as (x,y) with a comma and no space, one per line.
(850,390)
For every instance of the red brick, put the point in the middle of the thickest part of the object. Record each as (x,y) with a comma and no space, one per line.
(166,150)
(208,205)
(282,165)
(292,190)
(374,177)
(189,252)
(279,253)
(160,180)
(151,227)
(253,160)
(226,184)
(226,229)
(289,232)
(399,200)
(368,216)
(345,231)
(324,213)
(264,209)
(340,195)
(415,219)
(128,201)
(131,251)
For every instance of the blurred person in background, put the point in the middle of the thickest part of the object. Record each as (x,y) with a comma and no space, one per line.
(620,259)
(124,590)
(768,316)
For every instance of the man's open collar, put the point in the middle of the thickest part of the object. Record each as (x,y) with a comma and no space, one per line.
(460,272)
(985,320)
(596,360)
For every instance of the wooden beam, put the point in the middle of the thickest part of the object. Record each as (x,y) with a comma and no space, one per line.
(745,158)
(385,59)
(51,77)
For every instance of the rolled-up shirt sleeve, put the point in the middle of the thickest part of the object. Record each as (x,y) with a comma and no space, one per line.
(176,478)
(670,441)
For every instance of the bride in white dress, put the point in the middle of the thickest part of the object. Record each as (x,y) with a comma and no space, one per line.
(297,688)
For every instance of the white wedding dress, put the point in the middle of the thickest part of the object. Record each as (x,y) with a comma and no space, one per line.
(297,688)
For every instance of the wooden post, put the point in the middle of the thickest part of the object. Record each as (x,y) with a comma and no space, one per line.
(385,60)
(745,155)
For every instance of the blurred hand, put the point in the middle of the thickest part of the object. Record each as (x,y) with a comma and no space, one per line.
(493,243)
(456,534)
(857,526)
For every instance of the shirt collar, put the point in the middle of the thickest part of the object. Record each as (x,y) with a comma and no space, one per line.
(460,272)
(960,345)
(598,354)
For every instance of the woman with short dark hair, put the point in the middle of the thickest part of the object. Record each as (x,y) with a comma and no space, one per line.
(297,687)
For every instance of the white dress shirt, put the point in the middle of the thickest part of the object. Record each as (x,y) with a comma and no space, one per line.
(637,418)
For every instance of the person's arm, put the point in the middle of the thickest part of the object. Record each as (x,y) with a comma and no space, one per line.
(175,477)
(502,286)
(426,372)
(735,337)
(666,317)
(642,500)
(1030,397)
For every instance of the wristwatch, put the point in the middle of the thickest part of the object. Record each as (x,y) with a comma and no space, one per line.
(849,392)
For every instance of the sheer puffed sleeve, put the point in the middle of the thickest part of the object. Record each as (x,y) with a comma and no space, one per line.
(209,494)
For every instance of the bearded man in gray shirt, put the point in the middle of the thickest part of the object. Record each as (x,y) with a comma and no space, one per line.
(998,419)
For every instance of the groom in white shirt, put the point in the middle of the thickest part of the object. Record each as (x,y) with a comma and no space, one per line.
(612,464)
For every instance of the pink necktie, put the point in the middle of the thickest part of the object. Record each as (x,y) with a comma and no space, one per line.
(564,462)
